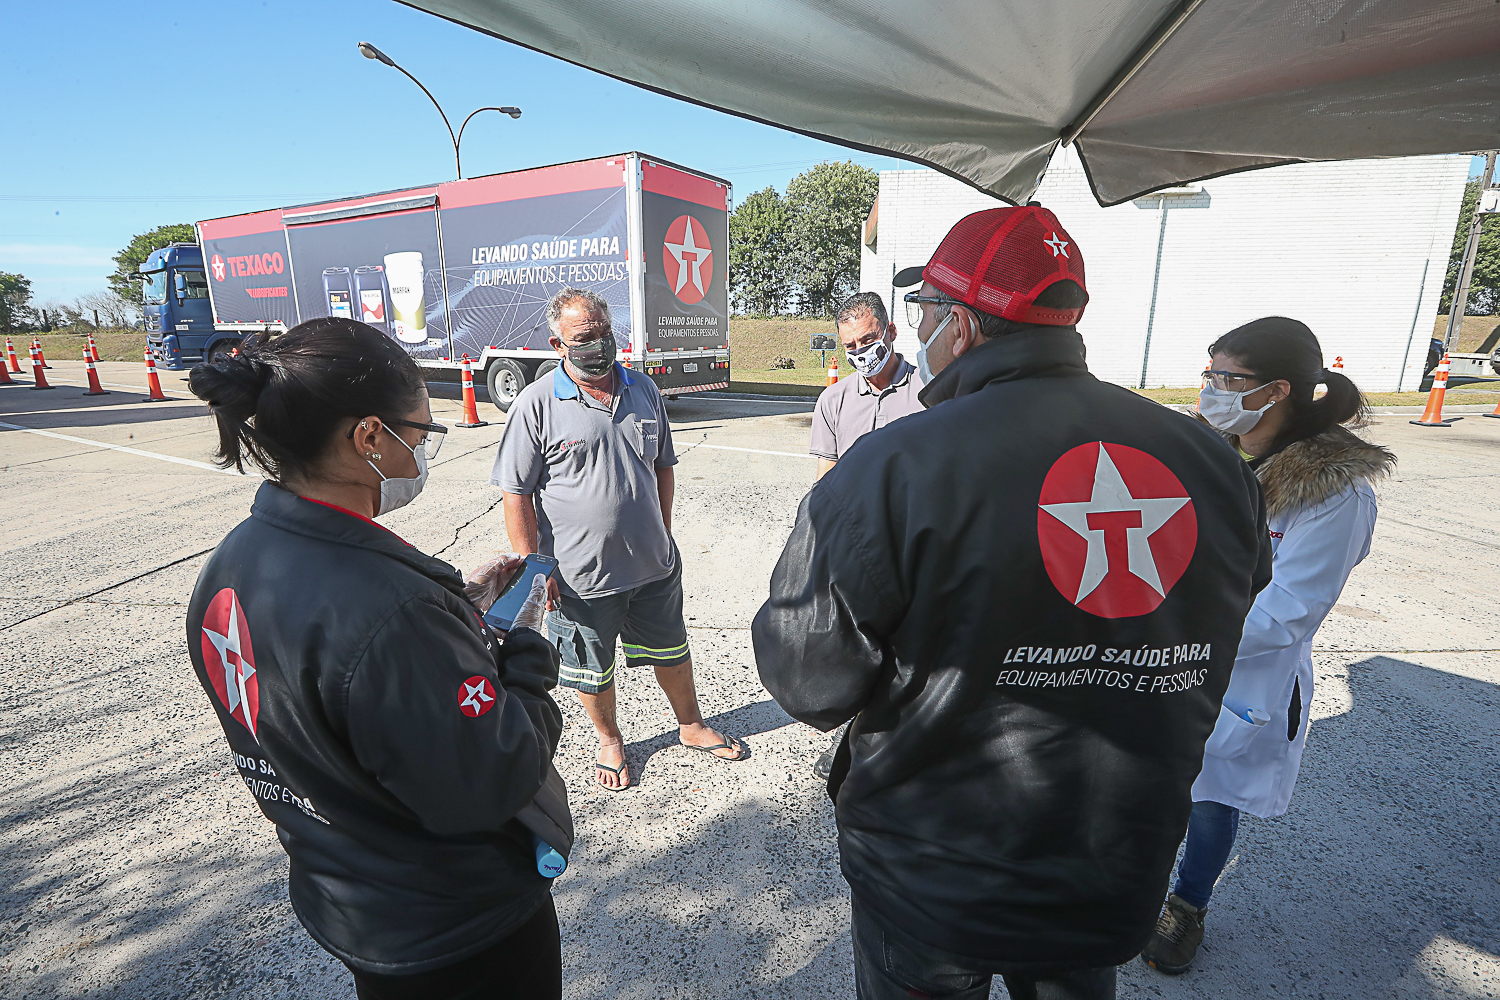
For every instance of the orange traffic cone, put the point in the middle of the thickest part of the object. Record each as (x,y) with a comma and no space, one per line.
(471,412)
(40,356)
(38,377)
(833,370)
(10,354)
(93,349)
(95,389)
(153,382)
(1495,414)
(1433,415)
(5,378)
(1338,363)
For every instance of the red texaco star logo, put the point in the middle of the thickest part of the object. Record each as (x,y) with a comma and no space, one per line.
(218,266)
(688,257)
(1116,528)
(476,696)
(229,660)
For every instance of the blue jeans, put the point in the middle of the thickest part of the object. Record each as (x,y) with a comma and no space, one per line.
(1210,838)
(887,969)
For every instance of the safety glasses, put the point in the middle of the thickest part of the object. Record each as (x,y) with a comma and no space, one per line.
(914,302)
(1231,381)
(432,441)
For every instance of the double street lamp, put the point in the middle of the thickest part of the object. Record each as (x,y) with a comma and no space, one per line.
(371,52)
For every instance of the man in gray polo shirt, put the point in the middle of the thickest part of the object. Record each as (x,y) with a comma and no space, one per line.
(883,388)
(586,468)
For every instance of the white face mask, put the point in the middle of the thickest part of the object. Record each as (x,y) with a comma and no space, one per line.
(1225,410)
(922,367)
(397,493)
(869,360)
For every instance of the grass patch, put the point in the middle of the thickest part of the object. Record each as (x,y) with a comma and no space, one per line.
(1479,334)
(755,343)
(114,345)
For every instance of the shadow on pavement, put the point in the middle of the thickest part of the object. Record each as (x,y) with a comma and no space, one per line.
(741,723)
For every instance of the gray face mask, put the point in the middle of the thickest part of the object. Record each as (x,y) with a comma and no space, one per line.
(397,493)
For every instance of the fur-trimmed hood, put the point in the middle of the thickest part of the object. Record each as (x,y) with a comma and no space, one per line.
(1307,472)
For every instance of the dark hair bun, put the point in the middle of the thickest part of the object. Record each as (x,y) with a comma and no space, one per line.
(280,399)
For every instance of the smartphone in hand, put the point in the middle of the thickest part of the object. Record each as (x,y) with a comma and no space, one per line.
(502,613)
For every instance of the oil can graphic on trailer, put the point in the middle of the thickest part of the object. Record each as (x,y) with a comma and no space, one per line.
(404,274)
(338,292)
(373,294)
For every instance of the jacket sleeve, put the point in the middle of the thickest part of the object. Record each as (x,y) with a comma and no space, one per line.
(460,768)
(1317,552)
(820,640)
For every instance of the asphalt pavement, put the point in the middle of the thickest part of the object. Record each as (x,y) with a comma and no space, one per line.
(133,862)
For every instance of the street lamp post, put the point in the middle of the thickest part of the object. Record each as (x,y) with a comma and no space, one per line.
(371,52)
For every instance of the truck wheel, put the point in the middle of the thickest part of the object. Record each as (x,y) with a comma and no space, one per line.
(222,349)
(506,379)
(546,368)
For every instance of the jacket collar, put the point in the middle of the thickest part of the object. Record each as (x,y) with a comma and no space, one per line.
(1036,352)
(1305,473)
(285,510)
(563,386)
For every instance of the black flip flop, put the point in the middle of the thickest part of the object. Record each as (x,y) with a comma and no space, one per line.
(616,772)
(738,746)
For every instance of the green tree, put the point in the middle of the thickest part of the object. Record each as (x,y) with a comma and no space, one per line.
(1484,286)
(129,260)
(828,205)
(15,300)
(757,253)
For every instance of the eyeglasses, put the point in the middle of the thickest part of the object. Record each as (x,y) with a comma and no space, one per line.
(1232,381)
(914,302)
(432,441)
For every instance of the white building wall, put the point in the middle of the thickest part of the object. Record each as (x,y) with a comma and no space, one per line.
(1340,246)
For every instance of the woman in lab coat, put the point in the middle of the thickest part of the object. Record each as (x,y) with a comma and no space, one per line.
(1320,506)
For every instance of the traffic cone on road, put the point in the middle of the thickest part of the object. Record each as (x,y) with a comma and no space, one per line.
(37,342)
(471,412)
(5,378)
(95,389)
(1495,414)
(1338,363)
(38,377)
(10,355)
(153,382)
(833,370)
(1433,415)
(93,349)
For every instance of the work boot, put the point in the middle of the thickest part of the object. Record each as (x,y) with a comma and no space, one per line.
(1179,932)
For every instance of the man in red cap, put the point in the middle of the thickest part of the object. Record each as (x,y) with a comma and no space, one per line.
(1028,599)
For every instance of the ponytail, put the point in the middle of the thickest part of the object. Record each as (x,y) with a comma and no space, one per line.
(1277,348)
(279,401)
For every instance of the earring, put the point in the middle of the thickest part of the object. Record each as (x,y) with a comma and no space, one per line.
(375,455)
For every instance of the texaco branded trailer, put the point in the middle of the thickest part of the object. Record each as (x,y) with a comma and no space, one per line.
(467,267)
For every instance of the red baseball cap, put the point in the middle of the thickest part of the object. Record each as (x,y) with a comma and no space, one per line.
(1000,260)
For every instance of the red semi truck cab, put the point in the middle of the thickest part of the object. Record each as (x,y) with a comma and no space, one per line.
(467,267)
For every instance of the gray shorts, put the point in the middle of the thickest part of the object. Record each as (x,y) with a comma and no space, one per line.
(647,621)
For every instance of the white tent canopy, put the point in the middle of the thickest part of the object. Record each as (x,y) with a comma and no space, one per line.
(1154,93)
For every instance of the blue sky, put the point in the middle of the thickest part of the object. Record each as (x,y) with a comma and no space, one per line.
(125,117)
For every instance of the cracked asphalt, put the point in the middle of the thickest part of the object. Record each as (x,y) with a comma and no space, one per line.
(135,864)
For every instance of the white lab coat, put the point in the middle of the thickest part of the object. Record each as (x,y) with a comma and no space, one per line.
(1254,768)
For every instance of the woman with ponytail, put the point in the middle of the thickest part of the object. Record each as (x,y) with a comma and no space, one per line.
(1260,393)
(402,747)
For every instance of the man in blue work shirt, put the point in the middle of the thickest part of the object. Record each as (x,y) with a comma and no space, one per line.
(586,469)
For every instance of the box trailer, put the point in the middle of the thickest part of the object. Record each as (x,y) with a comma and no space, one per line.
(466,268)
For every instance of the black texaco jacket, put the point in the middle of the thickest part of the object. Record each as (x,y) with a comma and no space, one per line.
(384,729)
(1028,597)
